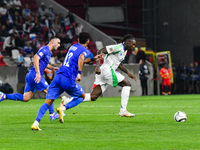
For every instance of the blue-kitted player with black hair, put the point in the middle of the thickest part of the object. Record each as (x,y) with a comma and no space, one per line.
(65,79)
(34,78)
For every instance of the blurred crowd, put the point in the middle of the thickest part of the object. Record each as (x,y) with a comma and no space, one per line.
(23,31)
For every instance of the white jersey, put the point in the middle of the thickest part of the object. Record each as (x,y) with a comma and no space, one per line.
(116,54)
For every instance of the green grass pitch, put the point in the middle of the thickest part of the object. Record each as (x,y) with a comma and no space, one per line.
(97,126)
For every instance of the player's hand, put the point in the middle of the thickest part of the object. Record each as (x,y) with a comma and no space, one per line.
(78,78)
(97,70)
(98,57)
(132,76)
(37,78)
(55,69)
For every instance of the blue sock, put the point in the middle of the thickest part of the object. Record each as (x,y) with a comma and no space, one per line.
(51,109)
(15,96)
(74,102)
(42,111)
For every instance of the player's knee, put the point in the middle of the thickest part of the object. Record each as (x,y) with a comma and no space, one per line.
(93,98)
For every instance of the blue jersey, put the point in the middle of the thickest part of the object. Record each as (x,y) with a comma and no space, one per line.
(69,67)
(44,54)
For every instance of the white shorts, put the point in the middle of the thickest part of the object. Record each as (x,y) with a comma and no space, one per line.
(108,77)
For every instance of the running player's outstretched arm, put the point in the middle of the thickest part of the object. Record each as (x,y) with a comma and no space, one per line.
(37,69)
(80,67)
(52,67)
(122,68)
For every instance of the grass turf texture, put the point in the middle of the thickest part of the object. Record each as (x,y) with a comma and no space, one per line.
(96,125)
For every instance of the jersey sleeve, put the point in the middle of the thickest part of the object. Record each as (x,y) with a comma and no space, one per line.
(86,53)
(42,52)
(114,48)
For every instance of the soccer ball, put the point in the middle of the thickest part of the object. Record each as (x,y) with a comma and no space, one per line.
(180,116)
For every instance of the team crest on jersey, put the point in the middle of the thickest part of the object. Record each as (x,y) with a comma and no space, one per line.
(41,53)
(111,49)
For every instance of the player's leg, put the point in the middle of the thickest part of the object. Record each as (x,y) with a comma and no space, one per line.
(96,92)
(75,91)
(43,86)
(53,92)
(41,112)
(126,87)
(53,116)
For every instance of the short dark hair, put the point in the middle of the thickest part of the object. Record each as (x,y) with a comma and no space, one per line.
(83,37)
(53,37)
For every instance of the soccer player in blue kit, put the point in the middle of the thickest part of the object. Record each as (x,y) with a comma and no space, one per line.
(34,78)
(65,79)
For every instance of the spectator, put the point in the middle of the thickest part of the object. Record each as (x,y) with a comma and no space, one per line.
(50,33)
(61,19)
(28,51)
(165,73)
(20,60)
(69,19)
(61,55)
(34,47)
(43,11)
(13,30)
(51,13)
(8,25)
(18,26)
(26,12)
(78,29)
(35,17)
(36,28)
(2,62)
(71,32)
(17,4)
(56,25)
(144,75)
(140,55)
(8,16)
(3,33)
(66,42)
(3,9)
(16,17)
(184,70)
(194,78)
(27,27)
(9,44)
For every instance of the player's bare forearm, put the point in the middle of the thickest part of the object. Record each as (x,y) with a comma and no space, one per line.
(122,68)
(52,67)
(36,63)
(81,62)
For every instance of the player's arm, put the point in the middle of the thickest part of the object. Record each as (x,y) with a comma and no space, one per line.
(52,67)
(80,67)
(122,68)
(100,52)
(95,58)
(36,60)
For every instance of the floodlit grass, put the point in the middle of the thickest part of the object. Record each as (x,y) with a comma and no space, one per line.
(97,126)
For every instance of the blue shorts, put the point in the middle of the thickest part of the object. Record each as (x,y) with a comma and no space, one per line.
(62,83)
(32,86)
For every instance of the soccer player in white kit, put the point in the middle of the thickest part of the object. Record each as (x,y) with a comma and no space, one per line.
(106,74)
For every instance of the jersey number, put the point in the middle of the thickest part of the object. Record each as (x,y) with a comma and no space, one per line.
(67,58)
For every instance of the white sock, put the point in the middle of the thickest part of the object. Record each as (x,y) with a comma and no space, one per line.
(124,97)
(87,97)
(63,108)
(67,100)
(36,123)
